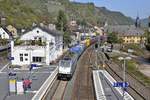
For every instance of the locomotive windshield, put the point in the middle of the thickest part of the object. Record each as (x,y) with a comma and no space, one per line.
(64,63)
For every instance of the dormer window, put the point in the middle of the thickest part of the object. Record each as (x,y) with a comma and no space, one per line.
(51,43)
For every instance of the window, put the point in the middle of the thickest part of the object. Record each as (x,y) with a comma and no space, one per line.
(21,59)
(26,59)
(37,59)
(21,54)
(40,39)
(25,54)
(37,31)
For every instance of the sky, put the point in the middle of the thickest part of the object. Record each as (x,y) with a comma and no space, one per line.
(130,8)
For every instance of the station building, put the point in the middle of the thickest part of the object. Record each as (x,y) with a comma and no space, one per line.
(39,45)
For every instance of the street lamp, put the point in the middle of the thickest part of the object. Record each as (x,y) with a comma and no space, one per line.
(30,50)
(124,70)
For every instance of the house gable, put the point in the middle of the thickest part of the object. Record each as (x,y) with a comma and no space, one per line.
(4,34)
(37,32)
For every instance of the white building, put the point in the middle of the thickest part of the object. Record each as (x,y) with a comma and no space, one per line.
(4,33)
(30,52)
(99,31)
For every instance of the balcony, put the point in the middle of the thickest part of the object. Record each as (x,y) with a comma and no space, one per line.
(29,43)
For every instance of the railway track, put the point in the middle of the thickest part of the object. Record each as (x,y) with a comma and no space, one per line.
(136,89)
(131,90)
(65,90)
(83,86)
(60,90)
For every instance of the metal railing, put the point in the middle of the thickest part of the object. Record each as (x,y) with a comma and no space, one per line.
(48,84)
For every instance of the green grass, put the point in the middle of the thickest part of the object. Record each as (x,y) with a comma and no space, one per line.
(133,70)
(137,50)
(3,54)
(131,67)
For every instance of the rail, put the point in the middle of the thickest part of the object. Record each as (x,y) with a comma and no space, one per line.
(115,74)
(59,93)
(47,84)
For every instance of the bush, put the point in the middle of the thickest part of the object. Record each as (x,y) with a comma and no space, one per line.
(148,47)
(137,50)
(18,42)
(3,41)
(113,38)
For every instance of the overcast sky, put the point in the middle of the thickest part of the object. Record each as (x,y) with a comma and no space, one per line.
(128,7)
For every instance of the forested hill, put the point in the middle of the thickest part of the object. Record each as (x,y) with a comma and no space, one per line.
(22,13)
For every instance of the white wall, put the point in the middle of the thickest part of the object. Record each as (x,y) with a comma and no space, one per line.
(3,34)
(31,34)
(31,52)
(48,52)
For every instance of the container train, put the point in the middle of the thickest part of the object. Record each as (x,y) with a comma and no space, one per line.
(67,65)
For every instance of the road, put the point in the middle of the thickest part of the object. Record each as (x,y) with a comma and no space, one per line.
(3,62)
(38,77)
(143,60)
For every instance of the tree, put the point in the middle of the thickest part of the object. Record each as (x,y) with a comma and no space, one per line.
(120,41)
(112,38)
(147,44)
(66,38)
(61,21)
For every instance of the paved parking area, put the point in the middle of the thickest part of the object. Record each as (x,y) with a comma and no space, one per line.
(38,77)
(3,62)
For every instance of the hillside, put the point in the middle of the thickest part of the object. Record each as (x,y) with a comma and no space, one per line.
(144,22)
(22,13)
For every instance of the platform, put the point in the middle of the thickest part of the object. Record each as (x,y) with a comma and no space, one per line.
(103,85)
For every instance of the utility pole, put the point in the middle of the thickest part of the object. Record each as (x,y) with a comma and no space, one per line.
(124,77)
(124,72)
(96,50)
